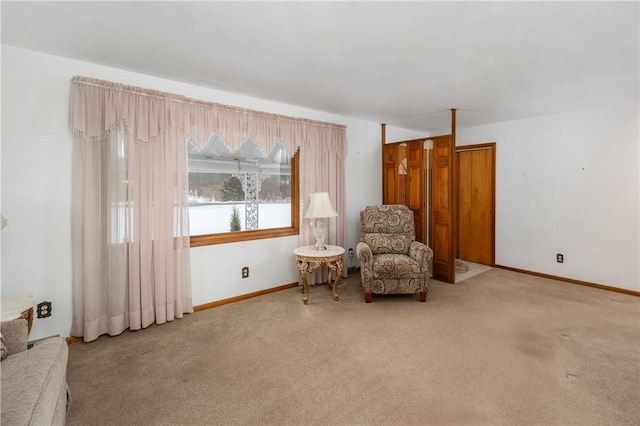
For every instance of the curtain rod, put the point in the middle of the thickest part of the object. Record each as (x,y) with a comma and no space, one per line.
(184,99)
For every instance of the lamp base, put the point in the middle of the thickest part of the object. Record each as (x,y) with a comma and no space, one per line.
(320,233)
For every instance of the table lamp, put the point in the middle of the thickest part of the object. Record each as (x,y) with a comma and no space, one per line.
(319,209)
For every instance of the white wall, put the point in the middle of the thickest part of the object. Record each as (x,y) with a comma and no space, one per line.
(36,187)
(568,183)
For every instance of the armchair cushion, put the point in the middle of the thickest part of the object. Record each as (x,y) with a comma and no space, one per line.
(394,265)
(388,243)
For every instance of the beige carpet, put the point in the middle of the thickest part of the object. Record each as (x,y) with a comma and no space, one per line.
(497,348)
(461,266)
(466,269)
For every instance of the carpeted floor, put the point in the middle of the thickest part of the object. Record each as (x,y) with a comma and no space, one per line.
(466,269)
(497,348)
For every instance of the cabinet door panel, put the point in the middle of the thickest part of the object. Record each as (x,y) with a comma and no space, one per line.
(442,209)
(390,184)
(415,185)
(390,194)
(404,180)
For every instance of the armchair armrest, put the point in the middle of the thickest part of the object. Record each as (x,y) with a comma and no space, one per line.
(421,253)
(364,253)
(15,334)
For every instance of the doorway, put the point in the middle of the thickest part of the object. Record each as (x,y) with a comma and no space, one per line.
(475,197)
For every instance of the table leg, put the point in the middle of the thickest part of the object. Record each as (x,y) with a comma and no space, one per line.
(303,269)
(305,283)
(305,288)
(337,269)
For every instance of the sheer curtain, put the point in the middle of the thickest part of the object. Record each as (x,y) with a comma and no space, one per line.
(322,170)
(130,233)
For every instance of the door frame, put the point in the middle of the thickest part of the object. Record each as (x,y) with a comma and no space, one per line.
(476,147)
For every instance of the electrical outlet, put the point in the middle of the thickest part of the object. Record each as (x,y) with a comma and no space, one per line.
(350,252)
(44,310)
(245,272)
(560,258)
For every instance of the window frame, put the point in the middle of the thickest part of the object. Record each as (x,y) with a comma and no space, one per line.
(258,234)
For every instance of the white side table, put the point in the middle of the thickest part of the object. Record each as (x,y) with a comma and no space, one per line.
(309,259)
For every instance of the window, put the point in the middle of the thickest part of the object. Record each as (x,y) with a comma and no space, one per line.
(241,195)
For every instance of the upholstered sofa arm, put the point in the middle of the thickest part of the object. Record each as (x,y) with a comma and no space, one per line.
(15,334)
(422,254)
(34,384)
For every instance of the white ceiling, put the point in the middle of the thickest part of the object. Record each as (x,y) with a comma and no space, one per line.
(403,63)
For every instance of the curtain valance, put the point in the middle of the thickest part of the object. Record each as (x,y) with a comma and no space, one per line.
(97,105)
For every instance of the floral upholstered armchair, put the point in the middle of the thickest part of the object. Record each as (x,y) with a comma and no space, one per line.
(391,260)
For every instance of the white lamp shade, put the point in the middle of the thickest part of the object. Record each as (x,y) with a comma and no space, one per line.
(320,206)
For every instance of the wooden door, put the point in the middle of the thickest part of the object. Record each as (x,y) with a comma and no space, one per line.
(476,203)
(443,217)
(415,185)
(390,174)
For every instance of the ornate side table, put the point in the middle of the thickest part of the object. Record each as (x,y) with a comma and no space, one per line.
(309,259)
